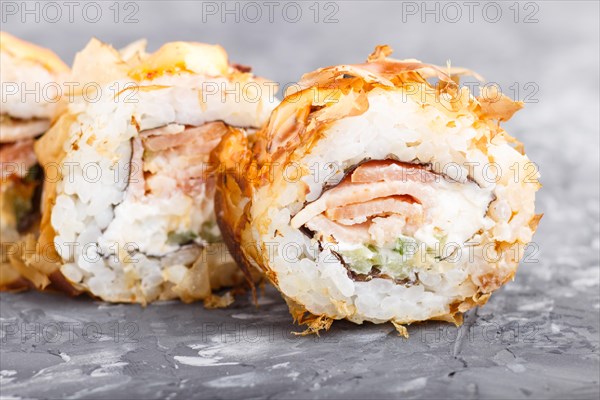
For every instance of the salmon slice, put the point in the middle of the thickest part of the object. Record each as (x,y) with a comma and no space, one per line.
(383,200)
(377,202)
(171,129)
(202,139)
(387,170)
(179,157)
(16,158)
(332,231)
(352,193)
(359,212)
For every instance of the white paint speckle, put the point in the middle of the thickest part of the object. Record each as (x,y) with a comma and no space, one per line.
(542,305)
(294,375)
(243,316)
(201,361)
(281,365)
(248,379)
(264,300)
(109,369)
(587,278)
(414,384)
(516,368)
(7,376)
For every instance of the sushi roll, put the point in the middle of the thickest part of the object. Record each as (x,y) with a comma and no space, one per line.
(31,78)
(380,192)
(128,200)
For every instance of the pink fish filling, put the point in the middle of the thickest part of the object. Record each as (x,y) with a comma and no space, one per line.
(376,203)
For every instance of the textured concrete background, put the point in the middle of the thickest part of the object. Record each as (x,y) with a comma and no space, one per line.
(537,338)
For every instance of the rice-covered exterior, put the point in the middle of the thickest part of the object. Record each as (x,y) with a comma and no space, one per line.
(30,79)
(363,177)
(128,205)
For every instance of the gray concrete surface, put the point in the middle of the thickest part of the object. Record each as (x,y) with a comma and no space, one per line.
(536,338)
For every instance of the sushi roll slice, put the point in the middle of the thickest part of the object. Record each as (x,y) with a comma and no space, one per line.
(128,200)
(375,194)
(30,77)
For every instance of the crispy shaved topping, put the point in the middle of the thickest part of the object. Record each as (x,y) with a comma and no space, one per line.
(177,57)
(23,50)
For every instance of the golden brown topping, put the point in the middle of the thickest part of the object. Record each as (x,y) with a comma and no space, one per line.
(23,50)
(332,93)
(177,57)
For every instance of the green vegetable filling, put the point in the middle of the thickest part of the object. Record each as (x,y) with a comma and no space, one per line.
(395,261)
(209,233)
(181,238)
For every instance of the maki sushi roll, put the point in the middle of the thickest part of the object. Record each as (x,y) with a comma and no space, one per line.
(128,201)
(380,192)
(31,78)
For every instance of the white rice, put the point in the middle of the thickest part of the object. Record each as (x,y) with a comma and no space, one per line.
(29,89)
